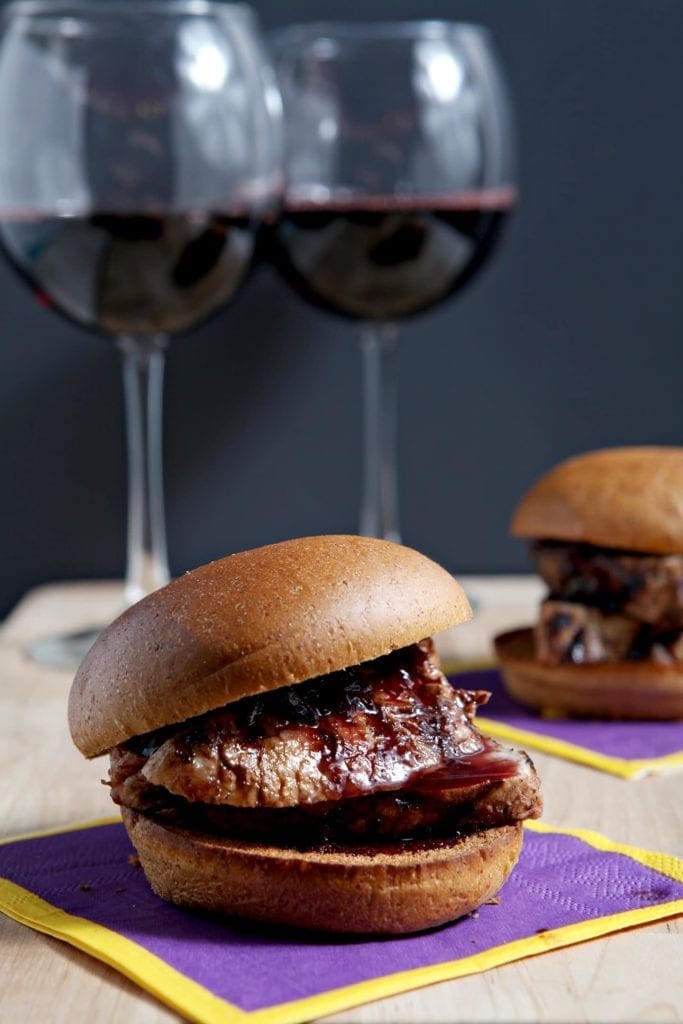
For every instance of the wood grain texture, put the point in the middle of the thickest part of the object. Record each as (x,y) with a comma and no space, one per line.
(632,976)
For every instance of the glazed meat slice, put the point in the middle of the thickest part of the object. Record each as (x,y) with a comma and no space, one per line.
(376,731)
(570,632)
(648,588)
(428,808)
(388,817)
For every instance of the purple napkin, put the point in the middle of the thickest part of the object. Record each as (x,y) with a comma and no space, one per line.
(561,880)
(626,748)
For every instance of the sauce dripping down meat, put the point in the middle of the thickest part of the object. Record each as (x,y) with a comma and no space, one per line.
(490,764)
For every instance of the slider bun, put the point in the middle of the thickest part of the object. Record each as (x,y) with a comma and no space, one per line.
(628,498)
(619,689)
(341,891)
(253,622)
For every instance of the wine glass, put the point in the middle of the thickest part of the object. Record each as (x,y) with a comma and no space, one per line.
(139,148)
(398,178)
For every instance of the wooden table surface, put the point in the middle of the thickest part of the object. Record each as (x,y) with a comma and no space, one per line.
(636,975)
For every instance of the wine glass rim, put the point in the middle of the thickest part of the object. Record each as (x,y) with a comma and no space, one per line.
(83,8)
(408,29)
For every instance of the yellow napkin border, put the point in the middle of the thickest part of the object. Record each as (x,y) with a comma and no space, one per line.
(199,1005)
(625,768)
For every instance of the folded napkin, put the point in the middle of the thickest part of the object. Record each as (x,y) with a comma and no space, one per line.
(628,749)
(82,885)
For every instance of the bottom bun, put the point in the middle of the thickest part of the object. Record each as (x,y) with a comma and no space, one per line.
(363,892)
(618,689)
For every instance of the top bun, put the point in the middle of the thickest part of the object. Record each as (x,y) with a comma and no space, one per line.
(628,498)
(253,622)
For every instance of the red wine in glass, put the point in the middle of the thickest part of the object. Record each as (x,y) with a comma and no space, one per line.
(121,274)
(387,257)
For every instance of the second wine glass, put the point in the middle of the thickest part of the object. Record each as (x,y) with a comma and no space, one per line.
(399,177)
(139,147)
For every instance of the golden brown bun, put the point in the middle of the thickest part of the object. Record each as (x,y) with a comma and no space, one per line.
(365,892)
(629,498)
(623,689)
(253,622)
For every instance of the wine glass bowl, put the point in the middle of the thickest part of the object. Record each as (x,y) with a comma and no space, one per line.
(135,159)
(139,151)
(399,177)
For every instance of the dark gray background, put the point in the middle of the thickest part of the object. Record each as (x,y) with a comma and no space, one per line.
(569,340)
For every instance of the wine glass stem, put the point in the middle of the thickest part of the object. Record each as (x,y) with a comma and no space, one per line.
(379,506)
(143,377)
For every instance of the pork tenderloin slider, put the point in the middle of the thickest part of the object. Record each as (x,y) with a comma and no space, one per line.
(607,539)
(284,746)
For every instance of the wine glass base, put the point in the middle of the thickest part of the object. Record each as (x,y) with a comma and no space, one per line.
(63,652)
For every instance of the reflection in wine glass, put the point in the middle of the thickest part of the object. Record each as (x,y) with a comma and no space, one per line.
(139,148)
(398,176)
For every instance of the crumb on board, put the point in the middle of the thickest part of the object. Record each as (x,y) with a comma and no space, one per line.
(493,902)
(134,860)
(84,886)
